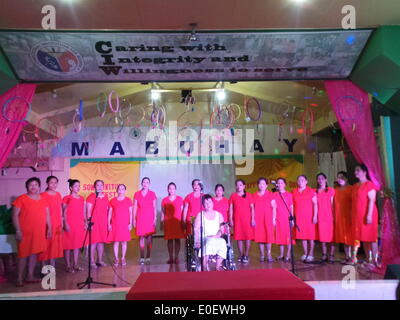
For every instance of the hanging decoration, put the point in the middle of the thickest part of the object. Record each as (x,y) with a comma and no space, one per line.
(307,122)
(101,104)
(9,112)
(253,109)
(110,104)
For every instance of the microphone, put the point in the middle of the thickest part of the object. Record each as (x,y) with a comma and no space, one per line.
(97,193)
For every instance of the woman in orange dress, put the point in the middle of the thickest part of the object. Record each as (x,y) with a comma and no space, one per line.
(31,217)
(192,205)
(221,204)
(305,208)
(366,214)
(325,196)
(171,222)
(241,216)
(74,225)
(97,205)
(55,244)
(343,216)
(120,222)
(145,218)
(264,231)
(281,202)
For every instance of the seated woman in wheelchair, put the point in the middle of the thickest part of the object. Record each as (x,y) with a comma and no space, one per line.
(214,244)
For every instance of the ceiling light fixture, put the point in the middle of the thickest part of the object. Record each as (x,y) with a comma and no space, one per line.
(221,95)
(155,95)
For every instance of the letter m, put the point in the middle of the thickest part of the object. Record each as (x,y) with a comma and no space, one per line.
(79,150)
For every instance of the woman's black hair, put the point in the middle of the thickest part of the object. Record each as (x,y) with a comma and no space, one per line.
(49,179)
(364,168)
(194,180)
(262,179)
(205,197)
(71,182)
(344,174)
(27,182)
(283,179)
(121,184)
(326,185)
(244,183)
(171,184)
(302,175)
(98,180)
(219,185)
(144,178)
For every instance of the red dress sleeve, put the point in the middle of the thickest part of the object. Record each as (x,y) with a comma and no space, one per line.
(19,202)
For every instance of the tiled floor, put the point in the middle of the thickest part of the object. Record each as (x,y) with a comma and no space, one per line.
(126,276)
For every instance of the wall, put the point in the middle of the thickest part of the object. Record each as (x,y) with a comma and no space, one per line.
(13,183)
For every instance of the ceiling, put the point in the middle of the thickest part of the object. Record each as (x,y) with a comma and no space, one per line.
(208,14)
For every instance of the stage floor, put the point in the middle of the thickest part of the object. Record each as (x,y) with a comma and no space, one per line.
(126,276)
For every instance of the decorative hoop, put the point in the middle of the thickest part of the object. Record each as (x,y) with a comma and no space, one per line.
(9,101)
(101,104)
(110,101)
(115,118)
(246,106)
(235,107)
(310,113)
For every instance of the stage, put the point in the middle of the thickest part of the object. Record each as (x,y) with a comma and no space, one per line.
(321,276)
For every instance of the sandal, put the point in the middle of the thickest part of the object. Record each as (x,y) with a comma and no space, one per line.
(101,264)
(280,258)
(245,259)
(123,262)
(270,259)
(331,259)
(93,266)
(288,259)
(116,263)
(262,259)
(324,258)
(69,270)
(77,268)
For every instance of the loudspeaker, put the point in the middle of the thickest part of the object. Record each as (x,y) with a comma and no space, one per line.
(392,272)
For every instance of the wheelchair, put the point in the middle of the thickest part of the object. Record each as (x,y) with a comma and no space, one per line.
(193,259)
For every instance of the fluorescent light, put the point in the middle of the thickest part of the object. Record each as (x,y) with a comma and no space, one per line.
(221,95)
(155,95)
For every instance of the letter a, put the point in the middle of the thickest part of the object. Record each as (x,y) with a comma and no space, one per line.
(349,20)
(49,20)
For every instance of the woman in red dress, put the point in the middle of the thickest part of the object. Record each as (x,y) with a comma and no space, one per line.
(120,222)
(343,216)
(221,204)
(74,225)
(264,231)
(171,222)
(366,214)
(305,208)
(325,196)
(281,202)
(192,205)
(31,217)
(55,244)
(145,218)
(97,205)
(241,216)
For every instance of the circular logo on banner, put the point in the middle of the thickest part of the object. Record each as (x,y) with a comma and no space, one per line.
(57,58)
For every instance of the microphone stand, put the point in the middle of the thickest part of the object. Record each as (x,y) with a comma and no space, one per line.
(201,228)
(291,218)
(89,279)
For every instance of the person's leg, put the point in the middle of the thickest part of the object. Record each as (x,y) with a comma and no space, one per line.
(177,249)
(282,251)
(116,249)
(262,251)
(21,270)
(269,248)
(367,250)
(218,263)
(288,256)
(375,252)
(205,263)
(312,245)
(31,266)
(141,246)
(100,252)
(67,259)
(92,252)
(305,248)
(247,248)
(324,251)
(76,259)
(124,247)
(170,244)
(149,245)
(332,249)
(240,248)
(52,262)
